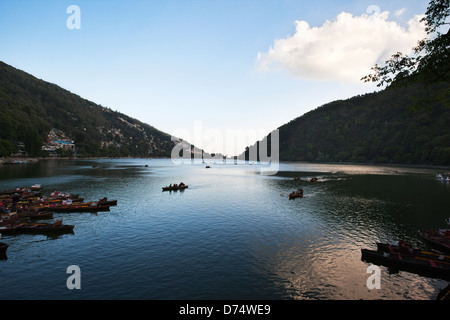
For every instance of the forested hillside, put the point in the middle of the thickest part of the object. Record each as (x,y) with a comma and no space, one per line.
(30,108)
(379,127)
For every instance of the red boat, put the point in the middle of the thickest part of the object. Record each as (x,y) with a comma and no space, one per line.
(440,238)
(295,194)
(84,207)
(107,202)
(37,228)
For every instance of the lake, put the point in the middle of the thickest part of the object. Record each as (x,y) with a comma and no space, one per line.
(233,234)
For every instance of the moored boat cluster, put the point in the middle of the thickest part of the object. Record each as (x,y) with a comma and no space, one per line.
(434,263)
(21,210)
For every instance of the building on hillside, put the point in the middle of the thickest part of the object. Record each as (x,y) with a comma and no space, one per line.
(58,140)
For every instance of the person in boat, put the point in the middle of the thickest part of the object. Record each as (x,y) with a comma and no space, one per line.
(182,184)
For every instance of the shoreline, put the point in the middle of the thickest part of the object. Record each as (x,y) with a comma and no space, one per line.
(24,160)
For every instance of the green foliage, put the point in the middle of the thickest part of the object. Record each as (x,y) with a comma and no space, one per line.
(374,128)
(30,108)
(430,62)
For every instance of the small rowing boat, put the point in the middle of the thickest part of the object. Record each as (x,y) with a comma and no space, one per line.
(37,228)
(440,238)
(106,202)
(36,215)
(295,194)
(82,207)
(410,263)
(407,249)
(174,188)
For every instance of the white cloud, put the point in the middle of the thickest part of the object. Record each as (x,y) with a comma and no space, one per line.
(343,49)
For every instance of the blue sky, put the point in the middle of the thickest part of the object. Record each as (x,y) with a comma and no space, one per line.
(177,64)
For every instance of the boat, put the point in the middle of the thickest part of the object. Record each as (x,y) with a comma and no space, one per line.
(314,179)
(36,215)
(295,194)
(172,188)
(79,208)
(440,238)
(37,228)
(408,249)
(410,263)
(76,207)
(105,201)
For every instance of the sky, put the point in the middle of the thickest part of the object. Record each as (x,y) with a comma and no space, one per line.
(220,74)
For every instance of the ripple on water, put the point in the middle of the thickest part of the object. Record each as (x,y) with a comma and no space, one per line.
(233,234)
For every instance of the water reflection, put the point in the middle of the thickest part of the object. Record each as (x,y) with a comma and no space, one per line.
(233,234)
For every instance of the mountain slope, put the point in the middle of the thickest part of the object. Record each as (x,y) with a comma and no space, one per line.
(30,108)
(380,127)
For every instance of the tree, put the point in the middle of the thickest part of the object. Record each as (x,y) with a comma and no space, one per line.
(431,59)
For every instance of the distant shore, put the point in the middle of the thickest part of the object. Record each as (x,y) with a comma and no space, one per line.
(19,160)
(403,165)
(36,159)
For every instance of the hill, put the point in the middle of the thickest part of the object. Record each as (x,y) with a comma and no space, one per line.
(380,127)
(33,112)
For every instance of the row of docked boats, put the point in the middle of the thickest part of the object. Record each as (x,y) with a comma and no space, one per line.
(22,209)
(432,263)
(401,256)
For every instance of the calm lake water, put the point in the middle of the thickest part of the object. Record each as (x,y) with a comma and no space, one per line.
(233,234)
